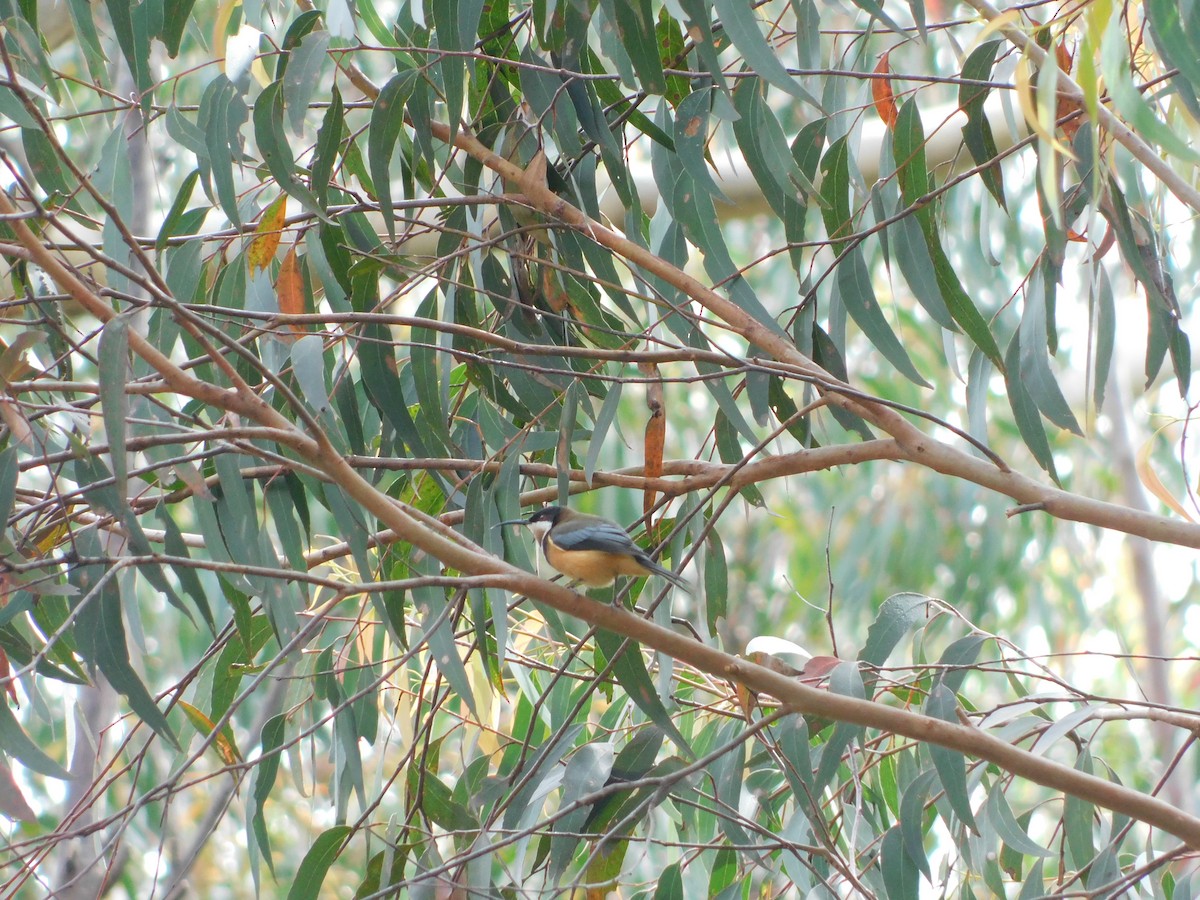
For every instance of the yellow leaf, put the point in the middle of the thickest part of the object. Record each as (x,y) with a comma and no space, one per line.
(1151,481)
(223,744)
(267,234)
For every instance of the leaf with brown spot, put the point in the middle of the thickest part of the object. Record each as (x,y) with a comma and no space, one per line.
(223,743)
(290,289)
(267,234)
(881,91)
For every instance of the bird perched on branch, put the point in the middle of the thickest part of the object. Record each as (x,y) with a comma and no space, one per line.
(590,549)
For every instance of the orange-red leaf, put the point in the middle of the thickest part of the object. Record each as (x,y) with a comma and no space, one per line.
(656,432)
(267,234)
(881,91)
(10,686)
(290,288)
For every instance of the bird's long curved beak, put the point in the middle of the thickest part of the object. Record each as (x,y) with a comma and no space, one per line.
(511,522)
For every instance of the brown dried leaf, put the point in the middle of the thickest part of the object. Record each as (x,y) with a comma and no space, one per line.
(656,432)
(881,91)
(290,289)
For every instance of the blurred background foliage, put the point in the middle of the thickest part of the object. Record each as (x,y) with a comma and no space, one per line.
(251,693)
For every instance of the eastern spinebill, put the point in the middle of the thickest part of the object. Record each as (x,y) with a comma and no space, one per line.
(590,549)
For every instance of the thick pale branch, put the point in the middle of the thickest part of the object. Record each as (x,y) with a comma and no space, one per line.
(804,699)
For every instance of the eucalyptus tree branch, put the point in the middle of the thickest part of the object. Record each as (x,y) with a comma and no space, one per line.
(917,446)
(433,537)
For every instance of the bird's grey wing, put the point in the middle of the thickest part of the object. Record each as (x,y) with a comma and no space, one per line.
(603,536)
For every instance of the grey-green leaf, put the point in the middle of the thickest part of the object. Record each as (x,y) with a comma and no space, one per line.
(950,764)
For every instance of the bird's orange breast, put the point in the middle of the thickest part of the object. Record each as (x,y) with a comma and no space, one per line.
(595,568)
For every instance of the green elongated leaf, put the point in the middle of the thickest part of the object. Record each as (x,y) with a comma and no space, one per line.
(912,254)
(951,766)
(728,775)
(263,781)
(9,469)
(670,884)
(43,162)
(955,662)
(1079,820)
(876,11)
(691,140)
(457,22)
(912,819)
(835,193)
(908,149)
(587,771)
(740,22)
(184,271)
(175,18)
(236,658)
(103,644)
(175,546)
(302,26)
(1175,38)
(630,671)
(1025,411)
(847,680)
(14,109)
(171,224)
(187,133)
(308,362)
(635,29)
(113,365)
(369,16)
(1000,817)
(1128,100)
(329,139)
(604,421)
(898,614)
(716,583)
(428,379)
(315,865)
(1181,357)
(273,145)
(762,142)
(1034,885)
(387,119)
(854,284)
(610,95)
(829,357)
(900,874)
(439,636)
(303,75)
(725,870)
(382,384)
(222,114)
(17,744)
(89,39)
(806,150)
(977,134)
(1034,362)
